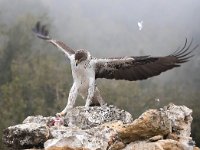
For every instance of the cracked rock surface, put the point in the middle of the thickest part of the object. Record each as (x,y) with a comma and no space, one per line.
(105,128)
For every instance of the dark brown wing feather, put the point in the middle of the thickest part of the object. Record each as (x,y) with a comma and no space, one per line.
(43,33)
(141,67)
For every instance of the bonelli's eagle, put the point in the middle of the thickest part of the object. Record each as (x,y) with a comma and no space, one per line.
(86,68)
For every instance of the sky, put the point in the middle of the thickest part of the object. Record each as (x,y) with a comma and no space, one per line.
(112,25)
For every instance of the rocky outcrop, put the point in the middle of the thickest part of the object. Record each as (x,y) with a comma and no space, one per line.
(105,128)
(26,135)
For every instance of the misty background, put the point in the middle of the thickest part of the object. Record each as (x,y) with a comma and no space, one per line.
(35,77)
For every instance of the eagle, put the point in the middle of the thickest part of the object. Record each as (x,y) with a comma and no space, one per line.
(86,68)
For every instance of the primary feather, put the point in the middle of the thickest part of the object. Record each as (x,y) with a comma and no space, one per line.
(42,33)
(142,67)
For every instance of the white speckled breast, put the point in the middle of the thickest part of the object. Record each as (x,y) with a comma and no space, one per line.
(81,75)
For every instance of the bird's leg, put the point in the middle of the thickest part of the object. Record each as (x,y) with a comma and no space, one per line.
(99,98)
(91,90)
(71,100)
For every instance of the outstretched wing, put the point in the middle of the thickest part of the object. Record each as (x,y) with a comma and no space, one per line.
(142,67)
(43,33)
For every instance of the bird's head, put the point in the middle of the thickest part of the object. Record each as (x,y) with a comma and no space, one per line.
(80,56)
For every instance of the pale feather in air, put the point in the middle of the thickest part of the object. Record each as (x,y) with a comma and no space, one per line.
(140,25)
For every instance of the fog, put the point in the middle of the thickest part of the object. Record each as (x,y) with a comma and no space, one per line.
(112,26)
(109,28)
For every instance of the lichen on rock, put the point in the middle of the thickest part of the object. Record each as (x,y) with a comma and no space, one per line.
(26,135)
(94,116)
(105,128)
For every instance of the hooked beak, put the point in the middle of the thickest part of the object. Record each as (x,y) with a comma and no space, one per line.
(76,62)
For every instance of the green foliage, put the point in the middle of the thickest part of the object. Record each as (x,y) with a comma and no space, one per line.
(31,81)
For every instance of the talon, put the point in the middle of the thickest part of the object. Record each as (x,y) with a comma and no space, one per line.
(60,114)
(87,108)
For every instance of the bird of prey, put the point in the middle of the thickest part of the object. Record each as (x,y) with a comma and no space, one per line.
(86,68)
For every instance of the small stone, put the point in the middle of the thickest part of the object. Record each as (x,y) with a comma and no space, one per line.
(156,138)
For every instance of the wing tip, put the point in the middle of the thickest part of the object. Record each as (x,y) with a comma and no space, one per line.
(41,31)
(185,53)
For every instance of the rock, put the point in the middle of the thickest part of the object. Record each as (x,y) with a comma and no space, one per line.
(156,138)
(38,119)
(149,124)
(167,144)
(105,128)
(93,139)
(25,135)
(49,121)
(86,118)
(94,116)
(181,119)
